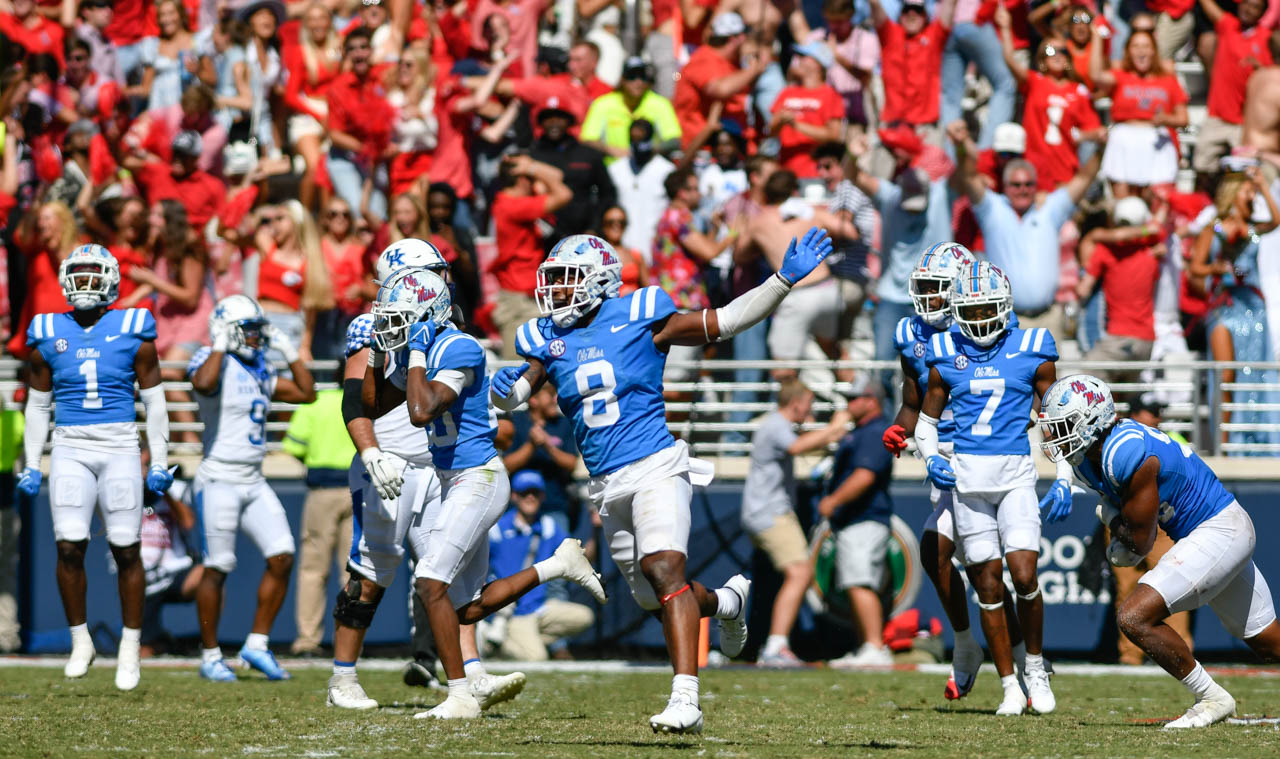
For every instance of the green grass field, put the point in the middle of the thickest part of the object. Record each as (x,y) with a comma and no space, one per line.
(749,713)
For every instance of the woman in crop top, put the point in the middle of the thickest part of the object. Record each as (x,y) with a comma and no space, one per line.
(289,280)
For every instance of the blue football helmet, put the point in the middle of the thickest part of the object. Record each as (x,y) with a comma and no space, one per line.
(579,273)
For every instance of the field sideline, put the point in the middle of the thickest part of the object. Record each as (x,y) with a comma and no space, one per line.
(590,709)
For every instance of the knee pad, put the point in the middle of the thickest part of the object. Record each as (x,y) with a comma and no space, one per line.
(1030,596)
(991,607)
(350,610)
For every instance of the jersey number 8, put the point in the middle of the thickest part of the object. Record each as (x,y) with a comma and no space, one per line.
(596,383)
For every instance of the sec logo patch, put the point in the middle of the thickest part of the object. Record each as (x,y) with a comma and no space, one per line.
(919,350)
(556,348)
(961,362)
(60,345)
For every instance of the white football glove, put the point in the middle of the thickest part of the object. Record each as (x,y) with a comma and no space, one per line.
(1120,556)
(386,474)
(220,336)
(276,338)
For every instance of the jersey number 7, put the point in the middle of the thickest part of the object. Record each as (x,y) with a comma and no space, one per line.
(982,427)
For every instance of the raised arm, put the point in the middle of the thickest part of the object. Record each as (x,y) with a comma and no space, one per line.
(817,439)
(1103,80)
(945,13)
(878,16)
(1212,11)
(1079,184)
(966,179)
(857,146)
(1004,22)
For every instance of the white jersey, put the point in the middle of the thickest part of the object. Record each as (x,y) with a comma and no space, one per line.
(235,417)
(395,433)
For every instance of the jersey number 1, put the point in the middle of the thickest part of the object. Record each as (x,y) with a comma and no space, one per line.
(982,427)
(90,371)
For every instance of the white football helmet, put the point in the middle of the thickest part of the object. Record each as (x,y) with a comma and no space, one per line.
(409,296)
(1073,413)
(90,277)
(409,253)
(584,265)
(245,321)
(930,282)
(981,302)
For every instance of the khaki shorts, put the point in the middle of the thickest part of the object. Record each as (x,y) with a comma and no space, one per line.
(784,542)
(1215,140)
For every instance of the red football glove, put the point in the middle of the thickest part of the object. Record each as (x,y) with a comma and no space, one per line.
(895,439)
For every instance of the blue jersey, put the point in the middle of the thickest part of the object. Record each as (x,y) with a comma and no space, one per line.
(991,388)
(911,341)
(609,377)
(92,367)
(1190,492)
(462,436)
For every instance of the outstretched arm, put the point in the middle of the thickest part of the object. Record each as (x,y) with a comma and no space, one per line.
(1079,184)
(967,179)
(1212,11)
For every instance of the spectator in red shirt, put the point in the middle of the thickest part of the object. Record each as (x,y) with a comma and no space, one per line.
(808,112)
(201,193)
(522,18)
(1241,49)
(22,25)
(911,63)
(676,24)
(713,74)
(44,238)
(1056,107)
(573,89)
(1147,104)
(313,62)
(530,191)
(359,125)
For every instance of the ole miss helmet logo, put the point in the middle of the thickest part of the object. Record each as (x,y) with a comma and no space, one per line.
(1090,396)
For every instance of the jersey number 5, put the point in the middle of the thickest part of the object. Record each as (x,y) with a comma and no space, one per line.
(982,427)
(596,384)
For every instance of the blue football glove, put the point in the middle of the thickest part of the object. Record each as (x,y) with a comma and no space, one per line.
(504,380)
(159,479)
(422,335)
(1058,501)
(28,482)
(940,472)
(804,256)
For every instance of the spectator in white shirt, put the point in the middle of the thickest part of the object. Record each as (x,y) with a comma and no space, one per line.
(639,182)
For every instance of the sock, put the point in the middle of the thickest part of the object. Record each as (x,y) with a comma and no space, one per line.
(256,642)
(1010,683)
(729,604)
(549,569)
(211,655)
(1020,655)
(1033,663)
(131,636)
(1199,682)
(686,684)
(474,668)
(80,635)
(964,639)
(774,644)
(458,688)
(344,668)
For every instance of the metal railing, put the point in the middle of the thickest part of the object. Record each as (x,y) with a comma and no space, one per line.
(717,411)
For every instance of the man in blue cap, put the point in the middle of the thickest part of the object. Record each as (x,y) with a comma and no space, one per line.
(520,538)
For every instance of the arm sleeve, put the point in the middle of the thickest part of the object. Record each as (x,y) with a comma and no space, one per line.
(926,435)
(38,413)
(157,425)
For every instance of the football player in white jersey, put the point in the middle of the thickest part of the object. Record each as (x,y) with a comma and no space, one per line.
(446,386)
(393,483)
(235,384)
(87,361)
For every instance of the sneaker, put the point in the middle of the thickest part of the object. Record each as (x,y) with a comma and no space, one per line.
(733,631)
(1213,708)
(866,657)
(1013,705)
(578,569)
(264,662)
(217,671)
(345,692)
(783,658)
(421,673)
(453,707)
(680,716)
(494,689)
(128,666)
(1039,694)
(965,664)
(81,657)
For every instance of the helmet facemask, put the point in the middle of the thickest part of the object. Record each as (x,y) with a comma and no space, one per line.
(391,322)
(567,291)
(89,284)
(982,319)
(1066,437)
(247,338)
(929,296)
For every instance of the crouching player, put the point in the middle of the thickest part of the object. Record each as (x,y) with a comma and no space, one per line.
(1146,481)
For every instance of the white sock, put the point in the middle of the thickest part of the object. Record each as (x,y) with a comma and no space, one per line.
(345,668)
(687,684)
(458,688)
(1033,663)
(729,604)
(130,635)
(256,642)
(1010,683)
(549,569)
(211,655)
(474,668)
(1199,682)
(80,636)
(1020,656)
(774,644)
(964,638)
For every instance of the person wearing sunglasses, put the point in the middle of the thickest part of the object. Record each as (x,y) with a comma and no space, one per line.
(90,27)
(635,273)
(606,125)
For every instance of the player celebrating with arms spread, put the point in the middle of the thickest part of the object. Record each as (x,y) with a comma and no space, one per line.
(235,384)
(87,361)
(993,373)
(605,355)
(1147,481)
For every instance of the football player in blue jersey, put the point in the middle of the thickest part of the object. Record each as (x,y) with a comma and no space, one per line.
(991,376)
(88,361)
(446,387)
(1148,481)
(930,285)
(605,355)
(234,384)
(393,483)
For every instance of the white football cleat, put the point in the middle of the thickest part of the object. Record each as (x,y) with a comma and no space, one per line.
(733,631)
(1213,708)
(680,716)
(578,569)
(345,692)
(488,690)
(966,661)
(128,665)
(1013,705)
(453,707)
(866,657)
(81,657)
(1039,695)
